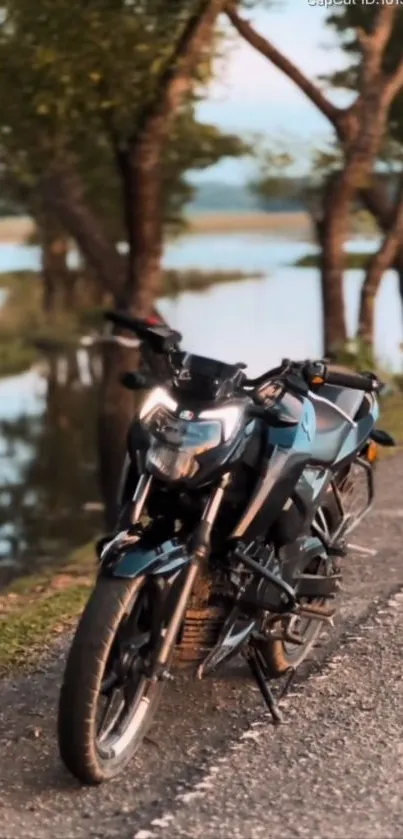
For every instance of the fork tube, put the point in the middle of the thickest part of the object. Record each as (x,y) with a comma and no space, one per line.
(172,630)
(140,497)
(198,553)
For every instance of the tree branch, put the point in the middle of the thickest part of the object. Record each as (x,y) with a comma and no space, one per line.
(375,41)
(63,194)
(385,257)
(394,84)
(373,45)
(176,81)
(391,242)
(269,51)
(383,26)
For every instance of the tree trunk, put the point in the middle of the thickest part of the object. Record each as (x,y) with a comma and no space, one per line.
(398,266)
(64,194)
(380,205)
(332,230)
(380,263)
(117,408)
(142,187)
(55,272)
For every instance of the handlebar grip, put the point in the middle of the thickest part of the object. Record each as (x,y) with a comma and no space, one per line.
(353,380)
(137,381)
(160,337)
(127,322)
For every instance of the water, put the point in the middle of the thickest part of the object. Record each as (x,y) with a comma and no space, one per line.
(47,445)
(262,321)
(48,472)
(258,321)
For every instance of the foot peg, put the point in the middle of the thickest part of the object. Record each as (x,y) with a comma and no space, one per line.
(319,613)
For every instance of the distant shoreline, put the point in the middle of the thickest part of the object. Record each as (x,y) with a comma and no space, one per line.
(16,231)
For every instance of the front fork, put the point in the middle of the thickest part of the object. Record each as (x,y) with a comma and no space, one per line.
(199,551)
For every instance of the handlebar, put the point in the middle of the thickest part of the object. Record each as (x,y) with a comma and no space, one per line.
(355,381)
(317,374)
(298,376)
(160,337)
(308,375)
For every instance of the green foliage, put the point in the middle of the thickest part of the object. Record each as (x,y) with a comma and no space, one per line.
(76,80)
(357,261)
(276,173)
(345,20)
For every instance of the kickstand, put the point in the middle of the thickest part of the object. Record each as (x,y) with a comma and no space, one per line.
(291,674)
(267,693)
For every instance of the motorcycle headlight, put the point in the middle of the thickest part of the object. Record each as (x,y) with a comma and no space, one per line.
(176,441)
(230,417)
(158,398)
(176,444)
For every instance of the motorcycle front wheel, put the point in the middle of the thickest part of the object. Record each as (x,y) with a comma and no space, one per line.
(107,700)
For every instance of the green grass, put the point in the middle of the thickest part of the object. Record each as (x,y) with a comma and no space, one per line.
(358,261)
(176,282)
(36,608)
(25,635)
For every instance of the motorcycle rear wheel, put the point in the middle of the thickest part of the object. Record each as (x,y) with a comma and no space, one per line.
(278,656)
(108,654)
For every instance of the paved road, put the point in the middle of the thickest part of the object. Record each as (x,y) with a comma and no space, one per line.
(213,766)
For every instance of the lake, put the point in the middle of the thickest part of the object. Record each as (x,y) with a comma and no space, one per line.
(258,321)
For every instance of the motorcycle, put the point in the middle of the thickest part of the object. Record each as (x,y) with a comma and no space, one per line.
(237,499)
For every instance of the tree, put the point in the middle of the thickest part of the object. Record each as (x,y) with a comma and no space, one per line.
(352,24)
(123,76)
(361,130)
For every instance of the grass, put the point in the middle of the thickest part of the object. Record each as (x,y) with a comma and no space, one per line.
(357,261)
(176,282)
(37,608)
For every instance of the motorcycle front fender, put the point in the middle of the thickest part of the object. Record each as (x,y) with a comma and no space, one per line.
(128,561)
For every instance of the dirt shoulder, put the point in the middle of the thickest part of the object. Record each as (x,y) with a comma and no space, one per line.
(199,722)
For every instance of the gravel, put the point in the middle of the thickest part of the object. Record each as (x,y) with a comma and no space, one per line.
(324,773)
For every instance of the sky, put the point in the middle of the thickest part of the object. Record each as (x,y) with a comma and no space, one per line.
(250,95)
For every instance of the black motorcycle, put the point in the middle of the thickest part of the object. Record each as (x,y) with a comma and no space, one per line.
(238,496)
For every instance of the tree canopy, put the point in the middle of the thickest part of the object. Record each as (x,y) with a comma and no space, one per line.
(76,79)
(350,21)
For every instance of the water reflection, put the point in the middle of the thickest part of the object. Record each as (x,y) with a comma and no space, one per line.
(48,475)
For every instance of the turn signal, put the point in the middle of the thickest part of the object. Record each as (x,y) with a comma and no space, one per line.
(372,452)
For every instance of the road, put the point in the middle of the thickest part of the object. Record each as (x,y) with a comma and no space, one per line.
(213,766)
